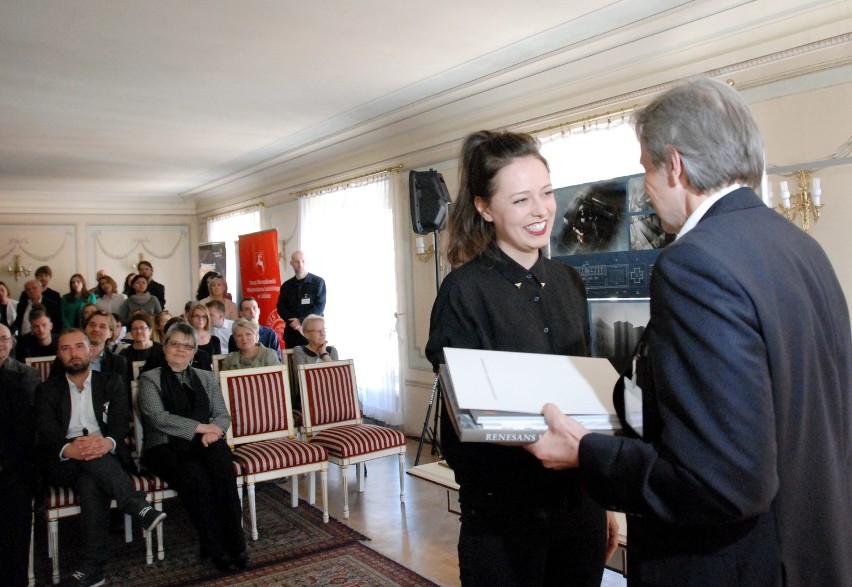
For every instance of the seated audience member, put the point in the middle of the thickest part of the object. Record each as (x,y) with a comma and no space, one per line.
(201,360)
(158,290)
(98,331)
(186,307)
(249,353)
(72,303)
(185,419)
(142,348)
(117,341)
(203,286)
(219,325)
(141,300)
(40,341)
(82,445)
(87,312)
(110,299)
(17,433)
(160,321)
(317,349)
(267,337)
(97,289)
(8,307)
(33,295)
(218,289)
(199,318)
(127,289)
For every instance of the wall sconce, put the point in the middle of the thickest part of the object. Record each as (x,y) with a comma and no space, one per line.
(423,253)
(18,270)
(135,266)
(804,203)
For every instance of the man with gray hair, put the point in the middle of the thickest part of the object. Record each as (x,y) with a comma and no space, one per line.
(734,469)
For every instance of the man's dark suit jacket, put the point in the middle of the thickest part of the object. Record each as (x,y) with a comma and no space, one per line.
(742,476)
(17,389)
(158,290)
(52,307)
(53,414)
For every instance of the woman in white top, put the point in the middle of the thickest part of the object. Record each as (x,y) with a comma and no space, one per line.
(111,299)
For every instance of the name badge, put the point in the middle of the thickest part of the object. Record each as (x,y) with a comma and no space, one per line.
(633,404)
(306,301)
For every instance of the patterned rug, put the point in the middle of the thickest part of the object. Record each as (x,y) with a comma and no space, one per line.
(294,548)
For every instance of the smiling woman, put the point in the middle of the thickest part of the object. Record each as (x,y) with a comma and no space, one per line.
(503,294)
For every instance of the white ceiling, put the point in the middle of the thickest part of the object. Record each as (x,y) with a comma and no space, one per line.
(129,98)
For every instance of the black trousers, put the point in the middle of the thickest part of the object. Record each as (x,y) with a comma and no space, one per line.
(16,499)
(557,544)
(96,484)
(205,481)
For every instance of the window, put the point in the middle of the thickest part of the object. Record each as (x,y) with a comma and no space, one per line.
(227,228)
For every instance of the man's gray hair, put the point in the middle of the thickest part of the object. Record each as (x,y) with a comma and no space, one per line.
(712,128)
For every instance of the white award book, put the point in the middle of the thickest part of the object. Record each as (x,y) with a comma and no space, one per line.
(497,396)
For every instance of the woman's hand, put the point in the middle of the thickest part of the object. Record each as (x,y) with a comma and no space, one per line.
(209,429)
(209,438)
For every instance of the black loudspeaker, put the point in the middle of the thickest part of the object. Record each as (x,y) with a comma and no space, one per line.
(429,200)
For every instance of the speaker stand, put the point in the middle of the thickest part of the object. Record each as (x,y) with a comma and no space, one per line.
(436,396)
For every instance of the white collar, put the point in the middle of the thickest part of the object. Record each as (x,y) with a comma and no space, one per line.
(699,212)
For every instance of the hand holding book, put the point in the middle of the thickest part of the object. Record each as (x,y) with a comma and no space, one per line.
(559,447)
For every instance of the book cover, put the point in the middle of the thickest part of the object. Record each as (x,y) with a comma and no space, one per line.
(497,396)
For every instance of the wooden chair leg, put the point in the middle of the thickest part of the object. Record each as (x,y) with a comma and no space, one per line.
(401,478)
(294,491)
(158,505)
(360,476)
(30,569)
(324,489)
(252,510)
(312,487)
(128,529)
(53,545)
(345,484)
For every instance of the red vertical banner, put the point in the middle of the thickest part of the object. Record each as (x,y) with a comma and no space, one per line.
(260,276)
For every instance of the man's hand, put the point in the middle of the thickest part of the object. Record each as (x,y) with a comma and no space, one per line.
(611,535)
(87,448)
(295,324)
(559,447)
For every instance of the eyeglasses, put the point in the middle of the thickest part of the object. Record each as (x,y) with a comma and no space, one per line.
(187,346)
(5,339)
(139,328)
(317,330)
(199,317)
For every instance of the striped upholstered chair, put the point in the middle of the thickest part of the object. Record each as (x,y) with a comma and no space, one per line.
(42,365)
(263,436)
(332,419)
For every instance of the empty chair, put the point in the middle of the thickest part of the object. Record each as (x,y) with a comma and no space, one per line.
(332,419)
(263,435)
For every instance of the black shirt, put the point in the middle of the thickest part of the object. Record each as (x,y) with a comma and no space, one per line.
(28,346)
(493,303)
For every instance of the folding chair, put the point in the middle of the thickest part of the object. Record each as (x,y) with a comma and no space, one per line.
(42,364)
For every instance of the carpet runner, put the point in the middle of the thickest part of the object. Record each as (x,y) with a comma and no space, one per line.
(294,548)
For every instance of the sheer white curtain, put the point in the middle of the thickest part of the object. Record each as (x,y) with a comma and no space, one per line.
(347,237)
(227,228)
